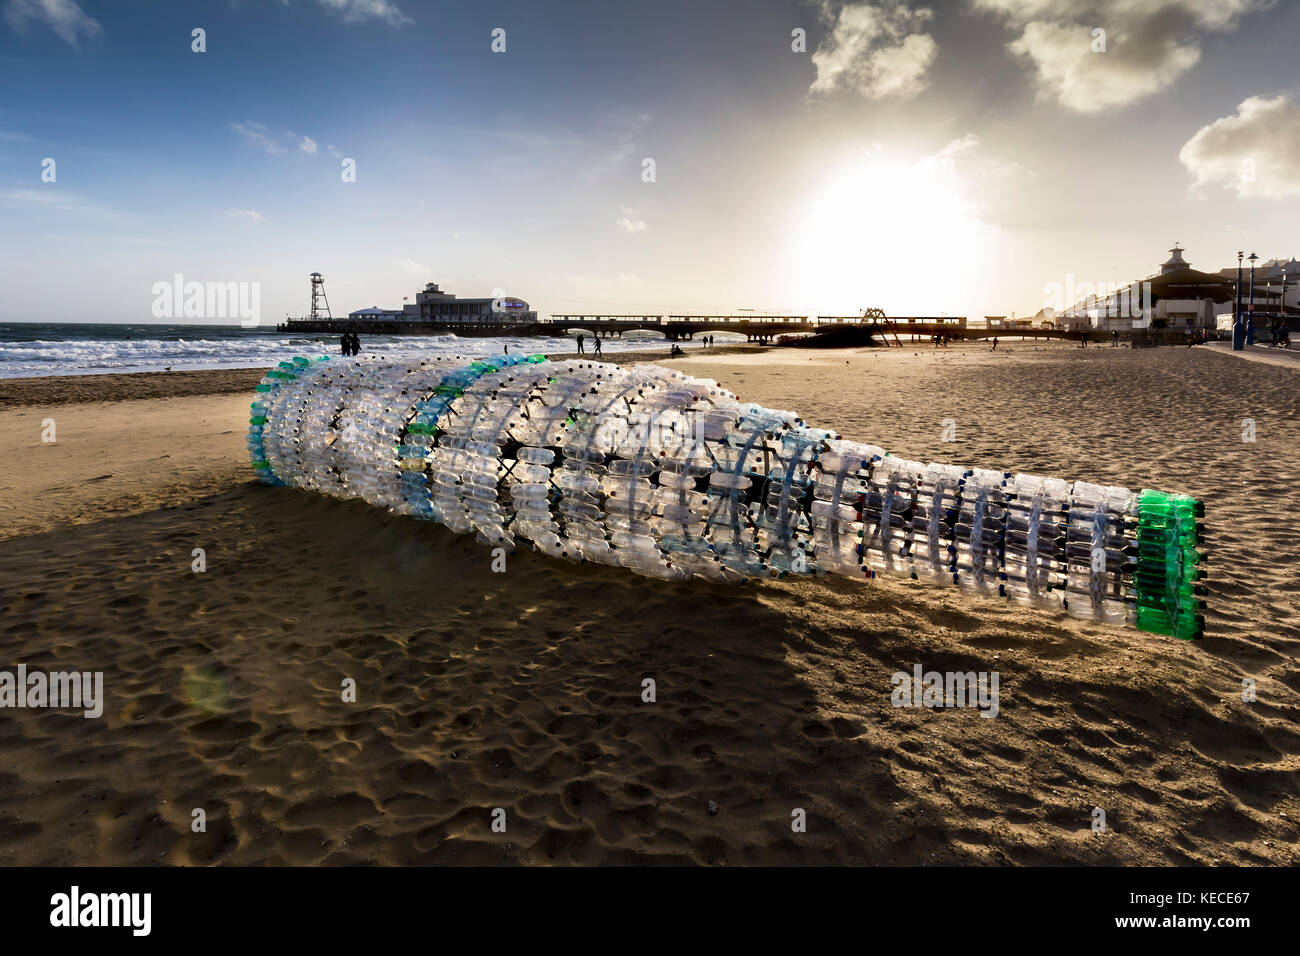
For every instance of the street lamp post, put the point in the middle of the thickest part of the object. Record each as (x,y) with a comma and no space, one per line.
(1281,308)
(1238,333)
(1250,310)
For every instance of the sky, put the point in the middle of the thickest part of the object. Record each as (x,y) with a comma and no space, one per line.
(961,157)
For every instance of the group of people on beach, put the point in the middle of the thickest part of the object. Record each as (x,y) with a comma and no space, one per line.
(675,350)
(350,343)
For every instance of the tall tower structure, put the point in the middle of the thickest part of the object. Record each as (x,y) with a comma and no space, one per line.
(320,306)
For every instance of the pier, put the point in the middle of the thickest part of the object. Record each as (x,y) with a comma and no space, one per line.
(872,328)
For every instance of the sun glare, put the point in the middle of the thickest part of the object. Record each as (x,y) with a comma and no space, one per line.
(890,234)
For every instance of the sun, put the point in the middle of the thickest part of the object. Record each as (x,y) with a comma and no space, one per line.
(893,234)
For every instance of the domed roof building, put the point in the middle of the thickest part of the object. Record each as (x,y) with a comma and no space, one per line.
(1175,260)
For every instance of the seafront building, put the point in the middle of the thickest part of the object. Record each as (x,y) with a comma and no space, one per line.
(1277,287)
(439,307)
(434,309)
(1177,297)
(375,314)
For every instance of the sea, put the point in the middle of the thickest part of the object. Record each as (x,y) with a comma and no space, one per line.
(31,349)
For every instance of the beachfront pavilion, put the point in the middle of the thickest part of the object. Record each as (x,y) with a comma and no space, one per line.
(1188,299)
(434,305)
(1178,297)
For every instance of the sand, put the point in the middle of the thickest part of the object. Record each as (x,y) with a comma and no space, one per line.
(522,691)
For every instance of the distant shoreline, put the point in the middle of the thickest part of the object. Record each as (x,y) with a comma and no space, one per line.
(42,390)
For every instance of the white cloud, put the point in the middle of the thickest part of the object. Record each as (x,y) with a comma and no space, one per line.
(308,145)
(874,50)
(356,10)
(628,221)
(1147,44)
(50,198)
(64,17)
(613,158)
(255,134)
(247,215)
(413,267)
(1255,152)
(954,150)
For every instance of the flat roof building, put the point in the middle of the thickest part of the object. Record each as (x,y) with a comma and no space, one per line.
(436,306)
(376,314)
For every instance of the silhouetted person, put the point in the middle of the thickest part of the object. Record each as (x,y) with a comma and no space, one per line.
(1114,339)
(356,344)
(345,344)
(579,344)
(596,340)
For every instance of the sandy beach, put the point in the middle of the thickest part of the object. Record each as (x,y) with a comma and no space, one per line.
(522,690)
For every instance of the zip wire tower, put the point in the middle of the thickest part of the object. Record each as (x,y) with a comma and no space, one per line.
(320,306)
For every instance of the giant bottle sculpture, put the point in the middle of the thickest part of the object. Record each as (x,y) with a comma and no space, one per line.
(674,477)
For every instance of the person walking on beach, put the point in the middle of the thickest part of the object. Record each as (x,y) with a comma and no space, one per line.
(596,342)
(1083,340)
(995,344)
(345,344)
(1114,339)
(356,344)
(579,344)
